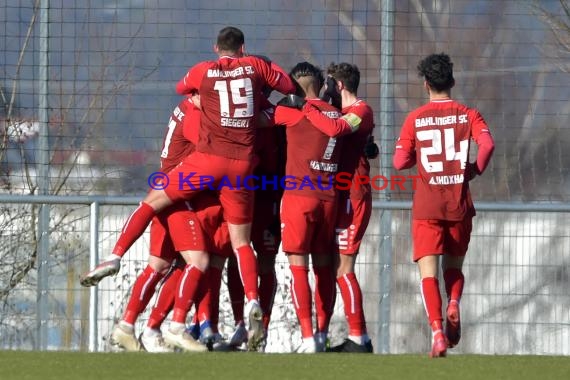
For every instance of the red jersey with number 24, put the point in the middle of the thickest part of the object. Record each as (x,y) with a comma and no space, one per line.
(440,133)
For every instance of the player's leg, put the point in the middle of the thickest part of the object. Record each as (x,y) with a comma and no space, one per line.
(457,241)
(322,255)
(325,297)
(267,288)
(188,237)
(236,293)
(238,212)
(352,220)
(189,289)
(217,263)
(297,223)
(161,256)
(182,186)
(134,227)
(266,237)
(428,246)
(151,338)
(209,214)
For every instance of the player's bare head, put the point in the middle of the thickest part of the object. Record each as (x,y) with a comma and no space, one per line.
(308,76)
(437,70)
(347,73)
(230,39)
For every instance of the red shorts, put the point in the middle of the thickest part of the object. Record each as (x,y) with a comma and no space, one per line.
(438,237)
(352,220)
(307,224)
(187,226)
(220,243)
(177,228)
(160,242)
(200,171)
(265,230)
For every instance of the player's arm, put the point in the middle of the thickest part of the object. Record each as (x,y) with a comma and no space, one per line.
(405,154)
(190,83)
(275,76)
(289,117)
(266,118)
(344,125)
(191,123)
(347,124)
(485,143)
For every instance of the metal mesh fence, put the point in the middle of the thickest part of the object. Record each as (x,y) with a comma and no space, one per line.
(112,67)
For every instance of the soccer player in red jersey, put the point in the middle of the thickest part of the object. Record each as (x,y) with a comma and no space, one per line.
(309,206)
(355,204)
(175,229)
(266,232)
(230,91)
(437,136)
(355,197)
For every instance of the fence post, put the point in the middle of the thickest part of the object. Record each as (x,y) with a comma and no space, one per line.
(387,140)
(93,260)
(43,180)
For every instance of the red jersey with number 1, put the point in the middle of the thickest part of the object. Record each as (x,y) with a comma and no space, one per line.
(439,133)
(312,156)
(179,141)
(230,93)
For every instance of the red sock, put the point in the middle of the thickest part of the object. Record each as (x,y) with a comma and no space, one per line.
(325,296)
(203,299)
(267,288)
(214,282)
(352,299)
(164,299)
(186,293)
(302,301)
(142,292)
(134,227)
(247,265)
(454,281)
(215,279)
(432,299)
(235,289)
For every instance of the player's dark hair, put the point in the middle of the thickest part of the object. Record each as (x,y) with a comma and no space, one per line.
(437,70)
(305,69)
(347,73)
(230,39)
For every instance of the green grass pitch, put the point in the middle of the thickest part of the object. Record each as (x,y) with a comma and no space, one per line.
(24,365)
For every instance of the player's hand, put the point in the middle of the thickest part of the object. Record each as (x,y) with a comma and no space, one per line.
(331,92)
(292,101)
(371,150)
(471,171)
(196,100)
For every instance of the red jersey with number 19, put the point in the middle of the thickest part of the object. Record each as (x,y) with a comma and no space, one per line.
(439,133)
(230,93)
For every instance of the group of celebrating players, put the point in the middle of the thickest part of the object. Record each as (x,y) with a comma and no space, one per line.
(225,128)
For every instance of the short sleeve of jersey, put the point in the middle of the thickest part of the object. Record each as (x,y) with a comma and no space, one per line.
(193,79)
(287,116)
(270,75)
(364,113)
(478,124)
(407,138)
(191,125)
